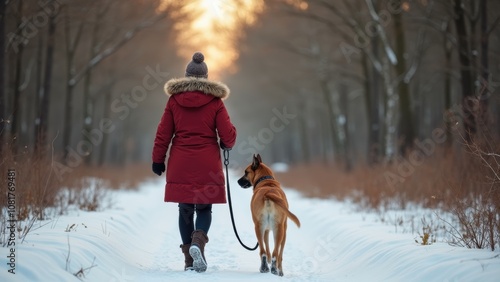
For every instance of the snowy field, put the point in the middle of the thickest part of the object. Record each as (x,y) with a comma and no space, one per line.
(137,240)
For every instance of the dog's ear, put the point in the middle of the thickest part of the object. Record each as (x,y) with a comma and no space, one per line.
(256,162)
(259,158)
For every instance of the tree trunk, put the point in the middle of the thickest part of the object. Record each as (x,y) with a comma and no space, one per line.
(331,118)
(390,132)
(88,101)
(304,133)
(372,105)
(68,114)
(39,93)
(16,108)
(474,39)
(88,110)
(485,91)
(105,136)
(469,119)
(344,103)
(447,89)
(71,46)
(45,100)
(406,126)
(2,74)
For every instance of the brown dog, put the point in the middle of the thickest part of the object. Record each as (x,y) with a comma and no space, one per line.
(269,212)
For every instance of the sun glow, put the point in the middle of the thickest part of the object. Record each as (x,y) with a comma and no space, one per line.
(214,27)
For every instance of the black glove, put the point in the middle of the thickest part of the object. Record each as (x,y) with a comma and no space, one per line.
(158,168)
(223,147)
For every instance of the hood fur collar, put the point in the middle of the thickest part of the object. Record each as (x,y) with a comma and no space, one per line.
(188,84)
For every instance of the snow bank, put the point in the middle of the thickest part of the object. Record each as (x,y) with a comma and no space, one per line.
(138,240)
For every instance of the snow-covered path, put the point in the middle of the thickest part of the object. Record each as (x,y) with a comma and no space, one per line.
(138,240)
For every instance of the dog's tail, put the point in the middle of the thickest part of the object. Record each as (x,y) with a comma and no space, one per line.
(278,200)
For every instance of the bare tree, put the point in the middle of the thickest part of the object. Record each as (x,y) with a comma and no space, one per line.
(465,70)
(107,91)
(373,107)
(406,124)
(43,112)
(3,6)
(485,91)
(88,100)
(72,40)
(77,75)
(16,108)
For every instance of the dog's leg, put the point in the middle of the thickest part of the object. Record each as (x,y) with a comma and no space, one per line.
(260,234)
(279,239)
(264,267)
(282,247)
(266,241)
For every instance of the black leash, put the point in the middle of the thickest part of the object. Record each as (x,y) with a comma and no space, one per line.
(226,163)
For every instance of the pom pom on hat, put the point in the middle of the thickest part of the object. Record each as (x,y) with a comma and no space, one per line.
(197,67)
(198,58)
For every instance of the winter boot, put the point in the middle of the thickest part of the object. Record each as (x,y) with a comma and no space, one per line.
(197,250)
(188,260)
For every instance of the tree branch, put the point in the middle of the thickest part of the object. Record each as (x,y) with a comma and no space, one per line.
(387,46)
(129,35)
(493,26)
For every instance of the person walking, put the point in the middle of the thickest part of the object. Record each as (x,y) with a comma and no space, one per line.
(194,119)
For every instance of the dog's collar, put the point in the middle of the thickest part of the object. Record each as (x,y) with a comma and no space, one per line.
(267,177)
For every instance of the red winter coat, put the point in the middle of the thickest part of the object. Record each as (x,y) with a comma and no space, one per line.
(193,117)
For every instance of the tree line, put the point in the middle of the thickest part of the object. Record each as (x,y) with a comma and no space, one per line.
(368,78)
(66,63)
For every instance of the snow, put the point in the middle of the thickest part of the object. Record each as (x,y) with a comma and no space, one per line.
(138,240)
(279,167)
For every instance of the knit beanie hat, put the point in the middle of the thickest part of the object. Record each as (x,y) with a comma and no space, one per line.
(197,68)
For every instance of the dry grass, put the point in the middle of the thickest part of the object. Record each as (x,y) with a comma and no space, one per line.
(113,177)
(39,194)
(433,183)
(463,181)
(37,184)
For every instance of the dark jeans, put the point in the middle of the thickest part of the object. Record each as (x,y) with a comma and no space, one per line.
(186,219)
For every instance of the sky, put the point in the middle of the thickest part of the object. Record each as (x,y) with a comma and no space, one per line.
(217,28)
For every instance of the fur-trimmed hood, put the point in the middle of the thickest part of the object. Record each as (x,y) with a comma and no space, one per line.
(191,84)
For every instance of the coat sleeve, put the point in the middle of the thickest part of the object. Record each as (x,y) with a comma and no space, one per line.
(164,134)
(225,129)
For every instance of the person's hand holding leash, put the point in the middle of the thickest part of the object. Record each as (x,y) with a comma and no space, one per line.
(223,147)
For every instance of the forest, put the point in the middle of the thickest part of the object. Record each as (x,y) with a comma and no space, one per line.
(396,99)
